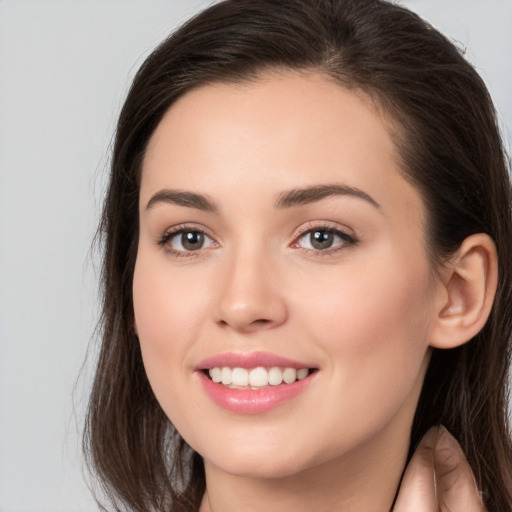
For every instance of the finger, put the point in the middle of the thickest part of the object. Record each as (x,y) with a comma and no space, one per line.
(455,483)
(417,490)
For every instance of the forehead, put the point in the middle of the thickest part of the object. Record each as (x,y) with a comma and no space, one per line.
(285,99)
(281,131)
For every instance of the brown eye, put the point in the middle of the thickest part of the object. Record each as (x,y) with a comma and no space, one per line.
(321,239)
(324,239)
(184,241)
(191,240)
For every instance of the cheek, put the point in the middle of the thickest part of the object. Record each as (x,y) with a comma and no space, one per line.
(167,326)
(374,326)
(164,319)
(369,305)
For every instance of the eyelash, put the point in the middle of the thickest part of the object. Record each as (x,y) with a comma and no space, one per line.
(346,240)
(168,236)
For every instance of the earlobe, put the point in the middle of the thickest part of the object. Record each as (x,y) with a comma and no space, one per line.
(468,285)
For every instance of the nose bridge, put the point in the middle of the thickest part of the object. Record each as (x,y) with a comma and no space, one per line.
(250,297)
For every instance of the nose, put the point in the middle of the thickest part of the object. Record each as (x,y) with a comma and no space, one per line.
(250,297)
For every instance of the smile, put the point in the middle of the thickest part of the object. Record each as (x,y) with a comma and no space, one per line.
(253,382)
(256,378)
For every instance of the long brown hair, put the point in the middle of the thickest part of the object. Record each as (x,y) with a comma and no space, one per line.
(450,149)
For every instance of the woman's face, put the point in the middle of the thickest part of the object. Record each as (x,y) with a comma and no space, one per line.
(278,240)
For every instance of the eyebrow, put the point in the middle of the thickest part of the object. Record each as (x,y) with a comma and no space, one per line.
(301,196)
(287,199)
(182,198)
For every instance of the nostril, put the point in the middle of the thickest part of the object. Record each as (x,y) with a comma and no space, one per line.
(257,311)
(260,322)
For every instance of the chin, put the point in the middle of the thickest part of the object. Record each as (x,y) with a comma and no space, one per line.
(270,461)
(259,468)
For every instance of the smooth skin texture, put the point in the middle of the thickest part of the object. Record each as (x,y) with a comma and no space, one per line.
(363,308)
(438,478)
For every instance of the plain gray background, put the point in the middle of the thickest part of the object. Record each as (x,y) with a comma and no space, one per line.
(64,70)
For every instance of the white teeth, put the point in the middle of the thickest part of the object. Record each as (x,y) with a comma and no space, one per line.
(290,375)
(258,377)
(216,374)
(275,376)
(240,377)
(302,373)
(225,376)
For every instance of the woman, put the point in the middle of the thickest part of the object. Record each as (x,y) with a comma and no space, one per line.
(307,232)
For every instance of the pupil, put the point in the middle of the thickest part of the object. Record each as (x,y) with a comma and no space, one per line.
(321,239)
(192,240)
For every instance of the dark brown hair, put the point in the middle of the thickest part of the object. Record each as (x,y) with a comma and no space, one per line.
(450,149)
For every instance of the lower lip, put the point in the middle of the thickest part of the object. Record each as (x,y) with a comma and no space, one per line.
(253,401)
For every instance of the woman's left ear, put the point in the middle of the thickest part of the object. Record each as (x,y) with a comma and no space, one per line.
(465,293)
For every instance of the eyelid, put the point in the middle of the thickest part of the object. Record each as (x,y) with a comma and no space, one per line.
(326,225)
(347,234)
(178,229)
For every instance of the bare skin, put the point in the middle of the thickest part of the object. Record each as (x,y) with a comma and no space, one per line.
(438,478)
(362,310)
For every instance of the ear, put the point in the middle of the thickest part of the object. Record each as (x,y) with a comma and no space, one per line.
(466,292)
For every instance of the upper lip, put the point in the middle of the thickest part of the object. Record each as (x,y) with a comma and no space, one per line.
(249,360)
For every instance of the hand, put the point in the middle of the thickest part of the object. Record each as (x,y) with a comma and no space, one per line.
(438,478)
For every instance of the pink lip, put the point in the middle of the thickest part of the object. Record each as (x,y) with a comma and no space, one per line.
(248,401)
(249,360)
